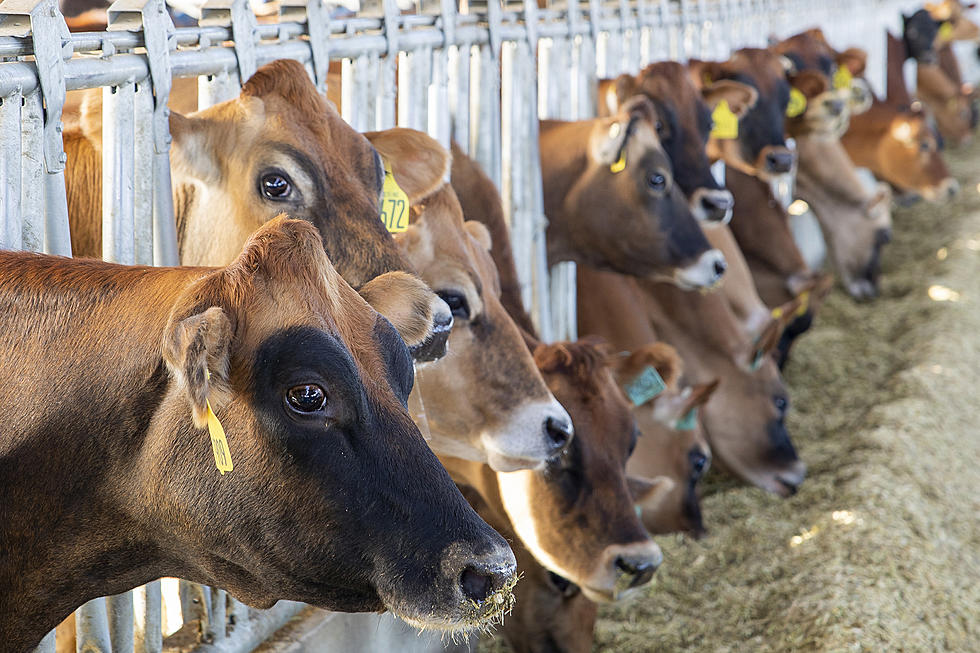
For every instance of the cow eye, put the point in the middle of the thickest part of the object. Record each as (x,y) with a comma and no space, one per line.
(660,128)
(307,398)
(275,186)
(698,464)
(924,146)
(657,182)
(457,304)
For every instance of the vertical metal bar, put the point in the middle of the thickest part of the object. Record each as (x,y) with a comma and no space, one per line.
(216,626)
(143,173)
(120,608)
(459,98)
(32,173)
(164,228)
(118,243)
(148,628)
(10,174)
(439,122)
(92,627)
(57,237)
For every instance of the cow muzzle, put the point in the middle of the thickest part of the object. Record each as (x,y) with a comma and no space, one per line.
(623,567)
(436,343)
(777,160)
(534,433)
(707,272)
(712,206)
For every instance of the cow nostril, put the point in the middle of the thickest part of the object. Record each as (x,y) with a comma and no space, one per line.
(558,431)
(477,585)
(719,267)
(640,570)
(883,237)
(779,161)
(834,107)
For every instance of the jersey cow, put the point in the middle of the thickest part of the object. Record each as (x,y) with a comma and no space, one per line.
(685,115)
(280,147)
(611,200)
(111,482)
(485,400)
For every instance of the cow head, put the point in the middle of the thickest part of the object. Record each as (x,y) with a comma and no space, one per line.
(958,26)
(672,450)
(900,147)
(485,401)
(687,123)
(919,32)
(310,386)
(576,516)
(281,147)
(760,148)
(745,420)
(951,106)
(612,202)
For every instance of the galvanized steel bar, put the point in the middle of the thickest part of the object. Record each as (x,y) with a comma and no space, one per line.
(47,644)
(10,172)
(32,175)
(92,627)
(121,620)
(118,228)
(148,633)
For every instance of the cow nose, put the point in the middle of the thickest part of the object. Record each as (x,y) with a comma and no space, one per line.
(719,267)
(883,236)
(559,432)
(952,188)
(638,570)
(779,161)
(717,204)
(834,107)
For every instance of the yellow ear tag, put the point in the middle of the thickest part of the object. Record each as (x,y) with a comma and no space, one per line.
(777,313)
(797,103)
(394,204)
(725,122)
(620,165)
(804,303)
(946,31)
(842,78)
(219,443)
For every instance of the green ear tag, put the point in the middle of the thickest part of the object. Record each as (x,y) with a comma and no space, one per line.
(842,78)
(394,203)
(689,421)
(725,122)
(645,386)
(797,103)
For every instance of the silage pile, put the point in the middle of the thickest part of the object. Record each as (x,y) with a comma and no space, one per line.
(880,550)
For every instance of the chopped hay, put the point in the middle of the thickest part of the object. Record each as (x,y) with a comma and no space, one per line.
(879,550)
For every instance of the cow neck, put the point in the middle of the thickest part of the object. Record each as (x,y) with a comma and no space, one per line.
(825,168)
(67,535)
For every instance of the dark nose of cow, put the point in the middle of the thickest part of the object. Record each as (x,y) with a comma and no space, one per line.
(559,432)
(719,266)
(480,580)
(834,107)
(883,236)
(779,161)
(717,205)
(639,570)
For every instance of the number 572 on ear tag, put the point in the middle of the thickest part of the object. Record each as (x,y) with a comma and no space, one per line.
(394,204)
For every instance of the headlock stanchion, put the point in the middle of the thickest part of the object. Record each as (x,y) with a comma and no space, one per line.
(480,73)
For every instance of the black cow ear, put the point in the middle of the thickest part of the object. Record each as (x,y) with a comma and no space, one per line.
(196,351)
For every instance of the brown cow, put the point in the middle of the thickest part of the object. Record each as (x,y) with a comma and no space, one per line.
(760,149)
(899,147)
(949,103)
(611,200)
(300,158)
(111,482)
(744,421)
(576,515)
(685,113)
(856,223)
(485,400)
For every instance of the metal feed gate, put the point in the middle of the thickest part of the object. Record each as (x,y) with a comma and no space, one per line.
(481,73)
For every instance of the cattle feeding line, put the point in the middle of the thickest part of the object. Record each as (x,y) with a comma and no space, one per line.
(481,74)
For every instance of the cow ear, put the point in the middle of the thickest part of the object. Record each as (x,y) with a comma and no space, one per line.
(195,350)
(646,492)
(191,151)
(811,84)
(419,164)
(699,395)
(617,91)
(740,97)
(704,73)
(854,59)
(662,357)
(479,232)
(398,296)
